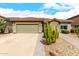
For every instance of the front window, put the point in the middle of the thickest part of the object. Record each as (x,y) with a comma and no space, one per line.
(63,27)
(76,26)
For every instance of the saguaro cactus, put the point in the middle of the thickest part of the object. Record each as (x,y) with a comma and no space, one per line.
(50,33)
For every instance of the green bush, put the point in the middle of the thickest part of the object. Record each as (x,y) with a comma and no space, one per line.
(72,31)
(77,30)
(65,31)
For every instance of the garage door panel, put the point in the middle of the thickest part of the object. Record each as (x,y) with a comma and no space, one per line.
(27,28)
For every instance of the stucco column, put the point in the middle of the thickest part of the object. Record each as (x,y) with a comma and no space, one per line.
(14,28)
(40,28)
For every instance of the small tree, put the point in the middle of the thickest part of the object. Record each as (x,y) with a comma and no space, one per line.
(2,25)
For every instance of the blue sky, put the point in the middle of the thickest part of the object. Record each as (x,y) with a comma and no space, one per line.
(22,6)
(44,9)
(35,7)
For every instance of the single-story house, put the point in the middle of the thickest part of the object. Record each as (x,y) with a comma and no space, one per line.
(35,25)
(28,24)
(69,23)
(75,21)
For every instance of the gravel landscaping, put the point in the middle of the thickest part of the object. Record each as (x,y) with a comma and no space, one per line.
(74,35)
(62,48)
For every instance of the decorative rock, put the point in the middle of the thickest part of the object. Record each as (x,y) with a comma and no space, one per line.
(62,48)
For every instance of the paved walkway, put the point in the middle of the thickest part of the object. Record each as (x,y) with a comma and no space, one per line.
(67,37)
(39,49)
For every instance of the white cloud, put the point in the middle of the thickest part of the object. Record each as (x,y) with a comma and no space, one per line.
(64,15)
(25,13)
(57,6)
(61,15)
(73,12)
(11,12)
(40,16)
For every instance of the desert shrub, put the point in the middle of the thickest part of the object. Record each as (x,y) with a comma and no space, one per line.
(65,31)
(77,29)
(50,33)
(72,31)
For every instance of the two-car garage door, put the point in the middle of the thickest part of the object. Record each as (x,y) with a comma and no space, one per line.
(29,28)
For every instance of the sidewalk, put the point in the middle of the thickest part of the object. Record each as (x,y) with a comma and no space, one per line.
(39,49)
(67,37)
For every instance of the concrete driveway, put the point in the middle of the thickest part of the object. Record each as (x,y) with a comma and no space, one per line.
(20,44)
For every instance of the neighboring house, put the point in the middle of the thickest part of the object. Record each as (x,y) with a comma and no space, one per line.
(65,25)
(75,21)
(69,23)
(61,24)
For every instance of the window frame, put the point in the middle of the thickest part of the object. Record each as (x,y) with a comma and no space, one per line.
(64,27)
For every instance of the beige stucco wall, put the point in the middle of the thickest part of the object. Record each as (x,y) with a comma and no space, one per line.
(14,27)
